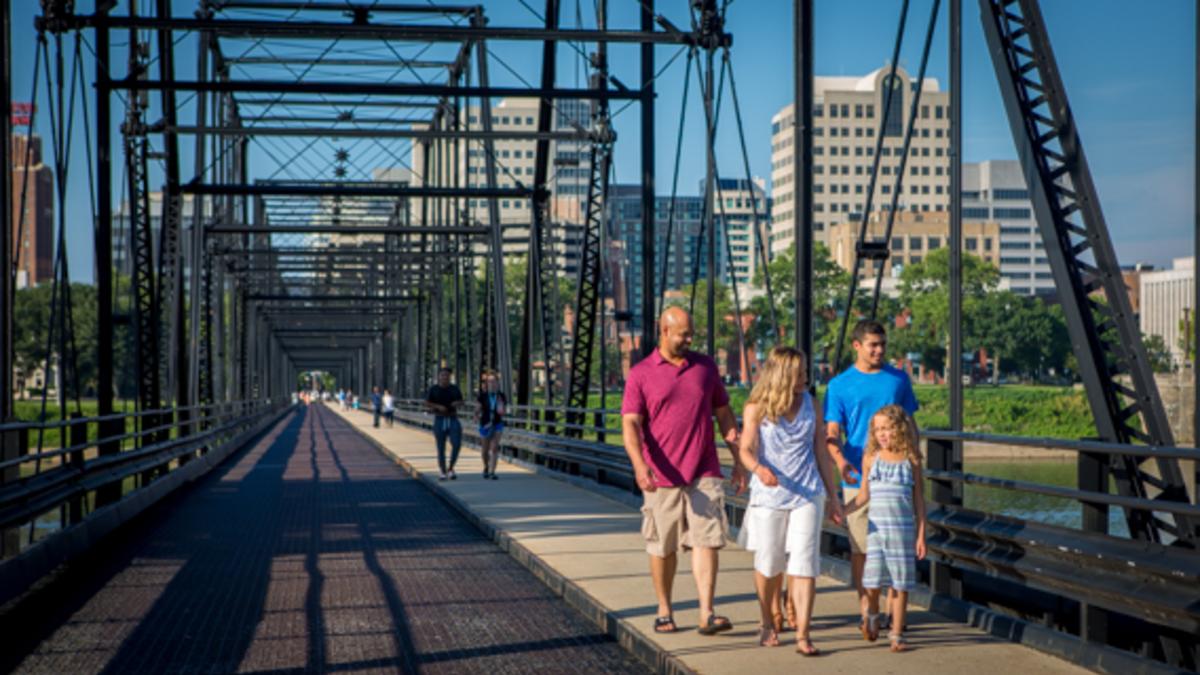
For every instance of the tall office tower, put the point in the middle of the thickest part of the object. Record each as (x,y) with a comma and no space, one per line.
(33,227)
(995,191)
(739,200)
(846,118)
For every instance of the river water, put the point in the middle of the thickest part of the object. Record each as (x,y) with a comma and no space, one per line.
(1033,507)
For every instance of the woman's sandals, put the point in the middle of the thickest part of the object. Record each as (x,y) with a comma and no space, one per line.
(768,637)
(804,647)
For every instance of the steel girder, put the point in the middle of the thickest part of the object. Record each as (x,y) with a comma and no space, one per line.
(1104,333)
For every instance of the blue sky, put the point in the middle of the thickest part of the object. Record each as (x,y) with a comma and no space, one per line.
(1128,69)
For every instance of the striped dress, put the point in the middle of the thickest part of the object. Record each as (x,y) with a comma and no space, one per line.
(891,527)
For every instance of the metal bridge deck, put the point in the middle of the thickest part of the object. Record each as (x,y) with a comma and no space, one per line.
(309,552)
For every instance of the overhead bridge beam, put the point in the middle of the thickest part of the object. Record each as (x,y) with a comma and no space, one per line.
(344,229)
(369,88)
(345,31)
(580,135)
(352,190)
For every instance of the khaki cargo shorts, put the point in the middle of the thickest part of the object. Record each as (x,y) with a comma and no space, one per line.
(856,523)
(688,516)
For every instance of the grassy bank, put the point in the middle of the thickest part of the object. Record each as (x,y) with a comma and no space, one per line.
(1018,410)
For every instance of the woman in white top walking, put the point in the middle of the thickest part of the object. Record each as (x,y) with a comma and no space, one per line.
(791,480)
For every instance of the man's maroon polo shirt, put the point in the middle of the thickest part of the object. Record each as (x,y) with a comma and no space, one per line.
(677,404)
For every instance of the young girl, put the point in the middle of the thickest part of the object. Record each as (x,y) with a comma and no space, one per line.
(492,405)
(791,478)
(894,487)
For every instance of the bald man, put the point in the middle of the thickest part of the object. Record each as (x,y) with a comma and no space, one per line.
(670,399)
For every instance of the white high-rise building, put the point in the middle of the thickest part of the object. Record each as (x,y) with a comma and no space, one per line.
(740,200)
(995,191)
(1166,298)
(846,118)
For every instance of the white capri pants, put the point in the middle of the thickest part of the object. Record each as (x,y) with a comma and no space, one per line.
(784,535)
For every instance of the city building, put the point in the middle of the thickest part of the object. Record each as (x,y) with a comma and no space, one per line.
(33,227)
(569,171)
(1166,299)
(739,200)
(123,236)
(847,112)
(995,191)
(914,236)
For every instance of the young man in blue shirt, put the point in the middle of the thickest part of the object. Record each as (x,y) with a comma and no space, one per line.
(851,400)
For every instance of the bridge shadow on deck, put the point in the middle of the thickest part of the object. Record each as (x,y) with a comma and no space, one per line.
(309,551)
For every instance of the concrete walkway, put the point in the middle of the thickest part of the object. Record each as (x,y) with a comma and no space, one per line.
(588,548)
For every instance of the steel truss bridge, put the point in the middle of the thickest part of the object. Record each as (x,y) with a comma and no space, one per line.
(246,275)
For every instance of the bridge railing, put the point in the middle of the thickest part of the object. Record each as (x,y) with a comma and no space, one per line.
(1089,583)
(56,501)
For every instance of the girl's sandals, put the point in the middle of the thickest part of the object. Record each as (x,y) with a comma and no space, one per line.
(870,627)
(804,647)
(665,624)
(768,637)
(898,642)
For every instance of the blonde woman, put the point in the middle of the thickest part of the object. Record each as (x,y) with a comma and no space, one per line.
(791,479)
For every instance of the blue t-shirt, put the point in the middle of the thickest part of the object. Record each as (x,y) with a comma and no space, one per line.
(854,397)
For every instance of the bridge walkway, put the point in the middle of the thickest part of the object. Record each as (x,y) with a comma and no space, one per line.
(310,551)
(588,547)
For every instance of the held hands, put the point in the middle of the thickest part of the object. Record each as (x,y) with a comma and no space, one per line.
(849,474)
(739,479)
(837,513)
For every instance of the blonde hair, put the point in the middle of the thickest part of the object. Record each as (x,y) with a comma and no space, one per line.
(904,438)
(775,390)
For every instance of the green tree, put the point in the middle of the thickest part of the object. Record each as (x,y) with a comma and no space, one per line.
(1158,353)
(726,329)
(1017,331)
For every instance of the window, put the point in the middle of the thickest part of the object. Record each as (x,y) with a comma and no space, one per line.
(987,243)
(914,243)
(897,244)
(971,243)
(858,151)
(1010,194)
(1005,260)
(529,121)
(895,111)
(914,259)
(818,110)
(1012,213)
(845,110)
(870,110)
(979,212)
(858,110)
(833,110)
(1014,230)
(1015,246)
(1043,275)
(937,111)
(858,189)
(935,242)
(924,112)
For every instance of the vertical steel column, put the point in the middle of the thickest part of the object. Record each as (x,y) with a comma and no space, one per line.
(110,493)
(6,242)
(499,303)
(647,137)
(802,51)
(1196,253)
(956,234)
(710,200)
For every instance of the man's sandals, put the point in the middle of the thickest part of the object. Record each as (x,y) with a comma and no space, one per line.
(715,624)
(665,624)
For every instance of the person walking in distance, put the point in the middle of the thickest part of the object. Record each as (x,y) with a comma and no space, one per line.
(791,478)
(851,400)
(389,407)
(444,400)
(670,399)
(376,405)
(492,406)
